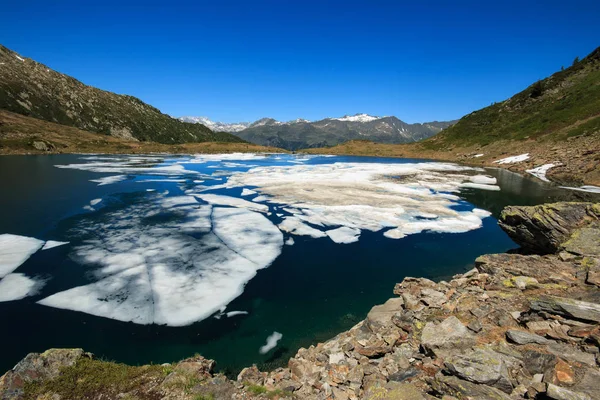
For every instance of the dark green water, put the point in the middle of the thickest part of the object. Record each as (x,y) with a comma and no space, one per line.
(313,290)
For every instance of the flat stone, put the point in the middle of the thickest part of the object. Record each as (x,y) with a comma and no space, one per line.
(569,308)
(335,358)
(584,242)
(571,353)
(451,385)
(538,363)
(449,334)
(523,337)
(483,366)
(475,326)
(559,393)
(593,278)
(524,282)
(380,317)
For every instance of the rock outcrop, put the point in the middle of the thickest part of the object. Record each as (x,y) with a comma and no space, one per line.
(515,327)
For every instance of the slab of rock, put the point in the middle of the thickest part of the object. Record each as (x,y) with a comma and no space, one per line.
(380,317)
(395,391)
(37,367)
(569,308)
(544,228)
(538,363)
(560,393)
(584,242)
(453,386)
(449,334)
(483,366)
(523,337)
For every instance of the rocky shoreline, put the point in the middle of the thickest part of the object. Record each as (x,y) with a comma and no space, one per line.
(524,325)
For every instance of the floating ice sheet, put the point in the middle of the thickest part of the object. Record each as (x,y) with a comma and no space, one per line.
(50,244)
(271,342)
(15,250)
(18,286)
(109,180)
(586,188)
(344,235)
(248,192)
(163,272)
(369,196)
(231,201)
(540,172)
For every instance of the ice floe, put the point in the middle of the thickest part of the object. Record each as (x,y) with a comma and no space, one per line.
(513,159)
(585,188)
(18,286)
(248,192)
(540,172)
(50,244)
(234,313)
(162,271)
(344,235)
(271,342)
(289,241)
(109,180)
(231,201)
(15,250)
(369,196)
(95,201)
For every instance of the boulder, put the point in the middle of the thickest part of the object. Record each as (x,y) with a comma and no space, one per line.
(453,386)
(544,228)
(483,366)
(380,317)
(523,337)
(566,307)
(37,367)
(560,393)
(252,375)
(449,334)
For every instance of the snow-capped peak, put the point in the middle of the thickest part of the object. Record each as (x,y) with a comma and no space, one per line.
(217,126)
(357,118)
(298,120)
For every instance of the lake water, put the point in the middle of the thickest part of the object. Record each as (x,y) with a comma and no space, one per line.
(170,256)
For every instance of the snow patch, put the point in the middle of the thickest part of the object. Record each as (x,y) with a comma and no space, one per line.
(343,235)
(513,159)
(248,192)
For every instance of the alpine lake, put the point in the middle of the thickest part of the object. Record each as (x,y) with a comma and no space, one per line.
(243,258)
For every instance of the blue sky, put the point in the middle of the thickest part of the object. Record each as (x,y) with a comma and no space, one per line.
(243,60)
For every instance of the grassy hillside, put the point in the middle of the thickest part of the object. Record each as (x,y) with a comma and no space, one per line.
(26,135)
(30,88)
(563,105)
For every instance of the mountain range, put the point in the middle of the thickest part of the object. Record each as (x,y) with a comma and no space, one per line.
(33,89)
(301,133)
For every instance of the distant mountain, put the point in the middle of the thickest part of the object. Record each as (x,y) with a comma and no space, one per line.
(300,133)
(32,89)
(217,126)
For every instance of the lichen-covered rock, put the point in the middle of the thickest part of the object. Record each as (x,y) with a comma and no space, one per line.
(37,367)
(449,334)
(544,228)
(482,365)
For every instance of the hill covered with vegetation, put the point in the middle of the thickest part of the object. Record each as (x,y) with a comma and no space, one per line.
(33,89)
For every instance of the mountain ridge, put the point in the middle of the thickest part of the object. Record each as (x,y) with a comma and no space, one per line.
(33,89)
(301,133)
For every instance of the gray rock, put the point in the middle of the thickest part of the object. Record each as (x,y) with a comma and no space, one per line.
(450,333)
(453,386)
(559,393)
(569,308)
(482,366)
(523,337)
(538,363)
(544,228)
(41,146)
(380,317)
(584,242)
(475,326)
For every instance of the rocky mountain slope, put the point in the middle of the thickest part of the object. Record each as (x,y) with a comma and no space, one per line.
(26,135)
(33,89)
(554,124)
(524,325)
(301,133)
